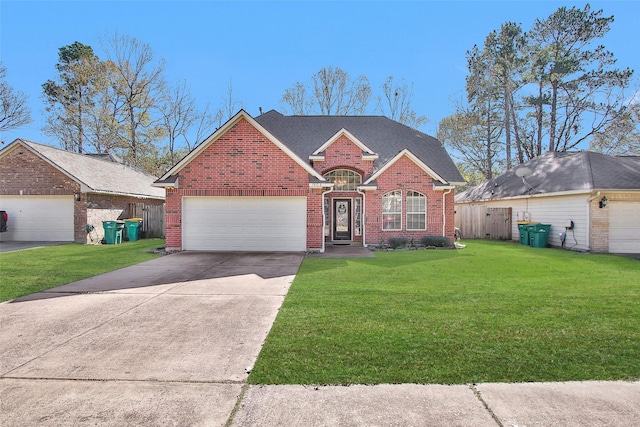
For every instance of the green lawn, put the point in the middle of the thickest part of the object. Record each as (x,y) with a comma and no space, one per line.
(492,312)
(28,271)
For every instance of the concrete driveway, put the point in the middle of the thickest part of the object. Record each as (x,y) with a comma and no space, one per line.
(169,341)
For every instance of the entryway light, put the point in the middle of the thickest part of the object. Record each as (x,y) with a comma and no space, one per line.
(603,202)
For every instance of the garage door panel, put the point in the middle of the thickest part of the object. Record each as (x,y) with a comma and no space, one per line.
(244,223)
(38,218)
(624,228)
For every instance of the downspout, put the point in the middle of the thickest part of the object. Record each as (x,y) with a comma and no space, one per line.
(324,218)
(363,216)
(444,213)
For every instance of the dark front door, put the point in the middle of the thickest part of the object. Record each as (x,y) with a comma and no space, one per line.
(341,219)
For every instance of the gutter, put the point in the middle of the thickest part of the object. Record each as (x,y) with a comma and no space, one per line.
(363,216)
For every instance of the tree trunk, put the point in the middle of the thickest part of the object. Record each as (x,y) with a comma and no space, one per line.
(507,125)
(539,120)
(552,115)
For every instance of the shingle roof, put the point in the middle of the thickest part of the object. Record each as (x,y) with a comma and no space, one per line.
(557,172)
(94,174)
(305,134)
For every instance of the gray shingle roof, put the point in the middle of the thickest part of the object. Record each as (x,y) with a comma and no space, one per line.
(95,174)
(556,172)
(305,134)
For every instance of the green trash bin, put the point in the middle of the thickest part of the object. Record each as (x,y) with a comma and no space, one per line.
(540,235)
(133,228)
(524,232)
(110,229)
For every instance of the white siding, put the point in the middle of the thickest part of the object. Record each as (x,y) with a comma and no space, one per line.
(555,210)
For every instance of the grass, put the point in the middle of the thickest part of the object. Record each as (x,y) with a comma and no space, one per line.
(493,312)
(28,271)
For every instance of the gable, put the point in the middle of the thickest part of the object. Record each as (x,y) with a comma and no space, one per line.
(402,158)
(242,158)
(343,153)
(23,170)
(341,134)
(168,179)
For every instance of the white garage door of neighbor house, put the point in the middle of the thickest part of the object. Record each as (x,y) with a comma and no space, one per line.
(38,218)
(244,223)
(624,227)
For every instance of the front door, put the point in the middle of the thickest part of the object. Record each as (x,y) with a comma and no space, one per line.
(341,219)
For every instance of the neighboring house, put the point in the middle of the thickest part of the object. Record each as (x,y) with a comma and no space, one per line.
(295,183)
(591,197)
(52,195)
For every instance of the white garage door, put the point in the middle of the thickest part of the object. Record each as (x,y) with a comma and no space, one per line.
(624,227)
(38,218)
(244,223)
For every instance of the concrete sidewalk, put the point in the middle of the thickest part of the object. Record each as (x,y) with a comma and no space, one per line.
(531,404)
(171,342)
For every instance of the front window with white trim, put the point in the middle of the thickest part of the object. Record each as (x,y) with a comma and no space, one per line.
(344,179)
(416,211)
(392,210)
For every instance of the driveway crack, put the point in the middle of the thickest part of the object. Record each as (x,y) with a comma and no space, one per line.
(478,395)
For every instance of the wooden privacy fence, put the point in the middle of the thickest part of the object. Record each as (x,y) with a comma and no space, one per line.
(152,218)
(481,222)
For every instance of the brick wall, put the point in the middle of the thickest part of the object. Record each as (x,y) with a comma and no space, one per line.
(344,154)
(600,218)
(242,162)
(21,170)
(599,227)
(405,175)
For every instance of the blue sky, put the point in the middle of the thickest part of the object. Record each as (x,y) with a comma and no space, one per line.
(265,47)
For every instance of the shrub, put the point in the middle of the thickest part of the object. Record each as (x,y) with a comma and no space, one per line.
(397,242)
(436,241)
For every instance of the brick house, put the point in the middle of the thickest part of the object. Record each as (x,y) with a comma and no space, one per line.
(295,183)
(52,194)
(591,200)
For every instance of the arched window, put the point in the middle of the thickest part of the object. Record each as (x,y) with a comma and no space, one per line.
(392,210)
(344,179)
(416,211)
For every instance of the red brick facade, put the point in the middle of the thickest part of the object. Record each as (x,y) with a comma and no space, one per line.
(242,161)
(24,173)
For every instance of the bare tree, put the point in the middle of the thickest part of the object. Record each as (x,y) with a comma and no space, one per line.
(229,106)
(178,115)
(14,112)
(335,93)
(296,98)
(332,92)
(138,82)
(204,125)
(396,101)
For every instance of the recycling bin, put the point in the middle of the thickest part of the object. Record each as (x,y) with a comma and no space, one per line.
(113,231)
(133,229)
(524,228)
(524,235)
(539,236)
